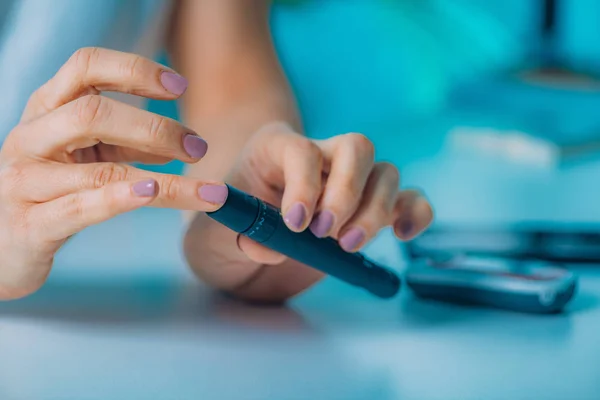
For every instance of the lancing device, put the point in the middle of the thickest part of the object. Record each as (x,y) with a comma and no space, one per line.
(264,224)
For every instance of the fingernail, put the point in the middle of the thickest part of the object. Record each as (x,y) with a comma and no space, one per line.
(174,83)
(194,145)
(406,228)
(321,225)
(295,216)
(216,194)
(145,188)
(352,239)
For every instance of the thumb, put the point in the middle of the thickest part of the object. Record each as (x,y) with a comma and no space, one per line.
(259,253)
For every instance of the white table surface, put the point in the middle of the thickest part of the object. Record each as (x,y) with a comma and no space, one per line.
(121,318)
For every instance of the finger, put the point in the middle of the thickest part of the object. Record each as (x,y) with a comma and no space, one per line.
(351,158)
(299,160)
(89,120)
(117,154)
(302,174)
(68,215)
(91,70)
(259,253)
(42,182)
(413,214)
(376,209)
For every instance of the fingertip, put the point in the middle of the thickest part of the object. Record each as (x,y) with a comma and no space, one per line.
(173,83)
(415,215)
(195,147)
(353,239)
(296,216)
(214,194)
(322,224)
(423,215)
(403,229)
(424,210)
(407,230)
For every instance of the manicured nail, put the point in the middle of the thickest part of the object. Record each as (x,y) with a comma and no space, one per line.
(194,145)
(295,216)
(321,225)
(145,188)
(406,228)
(174,83)
(352,239)
(216,194)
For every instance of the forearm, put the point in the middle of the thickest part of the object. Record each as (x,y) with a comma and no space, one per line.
(236,84)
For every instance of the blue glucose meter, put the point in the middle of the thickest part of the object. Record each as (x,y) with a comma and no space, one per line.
(524,286)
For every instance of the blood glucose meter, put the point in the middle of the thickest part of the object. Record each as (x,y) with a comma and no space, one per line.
(519,285)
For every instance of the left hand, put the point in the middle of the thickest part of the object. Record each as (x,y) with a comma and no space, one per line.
(332,187)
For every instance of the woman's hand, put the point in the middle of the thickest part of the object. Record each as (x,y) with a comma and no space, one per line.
(61,168)
(332,187)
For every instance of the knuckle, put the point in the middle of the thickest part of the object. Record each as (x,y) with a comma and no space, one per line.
(391,172)
(89,109)
(305,146)
(28,228)
(361,143)
(170,187)
(272,129)
(11,178)
(261,135)
(111,202)
(74,206)
(41,98)
(106,173)
(349,189)
(309,151)
(13,144)
(130,67)
(22,228)
(83,58)
(157,127)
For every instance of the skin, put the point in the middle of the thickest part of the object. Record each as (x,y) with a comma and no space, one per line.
(238,90)
(66,165)
(63,168)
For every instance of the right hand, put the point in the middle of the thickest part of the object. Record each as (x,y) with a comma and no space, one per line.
(61,168)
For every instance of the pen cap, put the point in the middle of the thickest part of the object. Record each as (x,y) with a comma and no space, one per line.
(239,211)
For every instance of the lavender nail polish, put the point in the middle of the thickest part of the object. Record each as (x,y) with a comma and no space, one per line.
(321,225)
(352,239)
(145,188)
(195,146)
(295,216)
(174,83)
(406,228)
(216,194)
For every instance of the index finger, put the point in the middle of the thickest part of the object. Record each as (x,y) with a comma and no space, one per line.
(92,70)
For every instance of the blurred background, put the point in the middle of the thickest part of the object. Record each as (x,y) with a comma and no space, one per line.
(490,106)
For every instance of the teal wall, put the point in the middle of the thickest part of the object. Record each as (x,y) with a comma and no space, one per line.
(371,66)
(365,65)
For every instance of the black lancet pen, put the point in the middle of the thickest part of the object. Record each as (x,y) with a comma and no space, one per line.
(264,224)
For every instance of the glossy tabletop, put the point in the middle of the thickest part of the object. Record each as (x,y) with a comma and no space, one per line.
(121,318)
